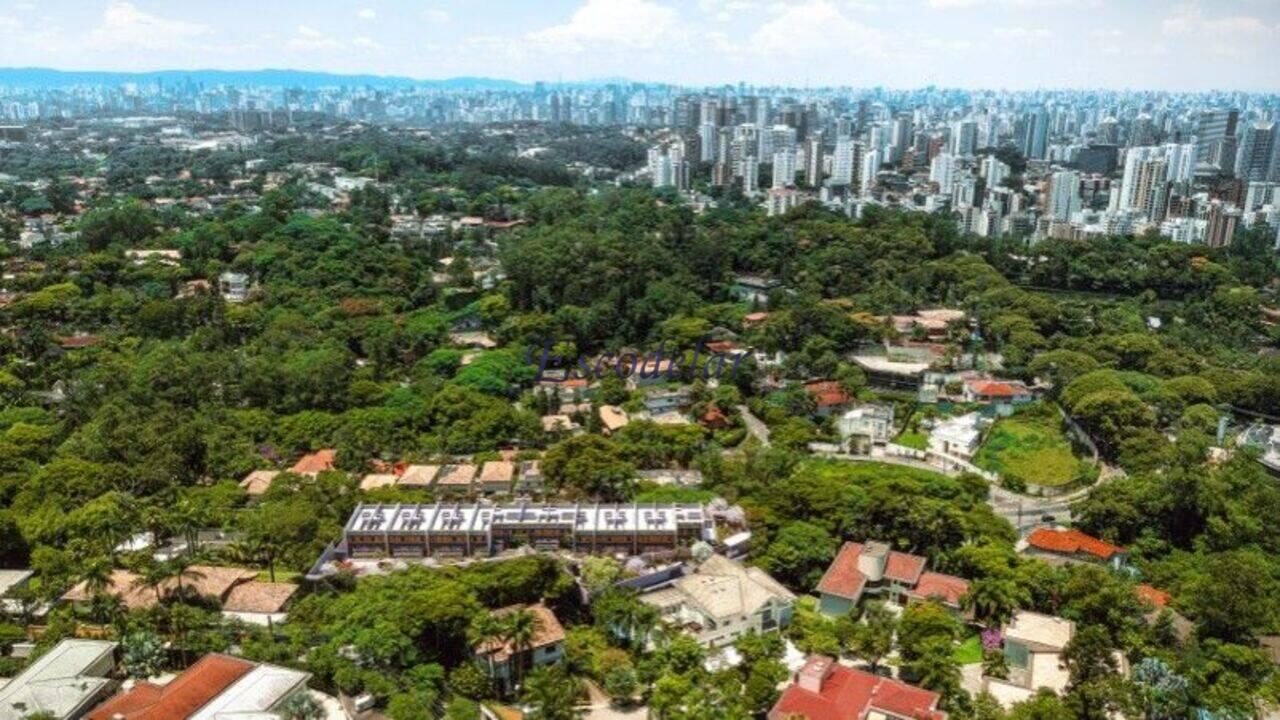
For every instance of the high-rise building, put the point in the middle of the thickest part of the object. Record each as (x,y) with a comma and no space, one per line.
(784,168)
(842,162)
(1216,139)
(943,172)
(1258,153)
(813,160)
(994,172)
(867,170)
(964,138)
(1221,228)
(1063,198)
(750,175)
(1035,134)
(1261,194)
(707,142)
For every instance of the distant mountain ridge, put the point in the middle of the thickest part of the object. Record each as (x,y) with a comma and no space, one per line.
(33,77)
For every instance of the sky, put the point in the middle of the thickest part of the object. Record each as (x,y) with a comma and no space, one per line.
(1014,44)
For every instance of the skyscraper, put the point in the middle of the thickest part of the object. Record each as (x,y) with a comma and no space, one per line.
(1063,198)
(964,138)
(813,160)
(1216,139)
(943,172)
(1035,134)
(1258,152)
(784,168)
(842,162)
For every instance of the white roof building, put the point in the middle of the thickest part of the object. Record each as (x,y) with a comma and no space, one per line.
(255,695)
(63,683)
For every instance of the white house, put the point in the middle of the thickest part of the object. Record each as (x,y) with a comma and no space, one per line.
(866,425)
(720,601)
(958,436)
(1033,645)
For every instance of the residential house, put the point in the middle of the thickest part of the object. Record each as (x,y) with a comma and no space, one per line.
(1061,545)
(1000,392)
(753,289)
(234,287)
(1033,646)
(883,372)
(12,582)
(864,426)
(720,601)
(828,397)
(663,400)
(61,684)
(419,476)
(651,371)
(873,569)
(751,320)
(259,603)
(373,481)
(257,483)
(215,584)
(826,690)
(217,687)
(957,436)
(613,418)
(530,479)
(409,531)
(497,476)
(315,463)
(1158,602)
(500,658)
(559,424)
(456,479)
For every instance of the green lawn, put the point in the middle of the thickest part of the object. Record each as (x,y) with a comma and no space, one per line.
(968,652)
(1031,446)
(916,440)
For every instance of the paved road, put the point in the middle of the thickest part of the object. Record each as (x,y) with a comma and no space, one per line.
(755,425)
(1026,513)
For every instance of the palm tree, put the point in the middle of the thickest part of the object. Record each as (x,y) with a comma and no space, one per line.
(97,576)
(994,599)
(520,627)
(154,576)
(552,695)
(179,569)
(486,634)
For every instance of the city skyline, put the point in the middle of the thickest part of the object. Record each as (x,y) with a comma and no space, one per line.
(1000,44)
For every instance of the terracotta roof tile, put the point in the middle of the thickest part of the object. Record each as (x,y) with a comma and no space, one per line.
(177,700)
(259,597)
(1071,542)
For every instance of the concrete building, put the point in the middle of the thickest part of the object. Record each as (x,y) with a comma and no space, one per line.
(451,529)
(721,600)
(61,684)
(1033,645)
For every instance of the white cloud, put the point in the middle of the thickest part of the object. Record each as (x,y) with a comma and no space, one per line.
(816,26)
(367,14)
(124,26)
(8,23)
(364,42)
(309,39)
(436,15)
(1020,33)
(1027,4)
(629,24)
(1232,35)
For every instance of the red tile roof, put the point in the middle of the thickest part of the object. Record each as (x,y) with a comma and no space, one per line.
(903,567)
(183,696)
(997,388)
(828,393)
(843,578)
(1159,598)
(318,461)
(848,694)
(1070,542)
(948,588)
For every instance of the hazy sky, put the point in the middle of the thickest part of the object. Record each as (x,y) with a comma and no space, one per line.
(1210,44)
